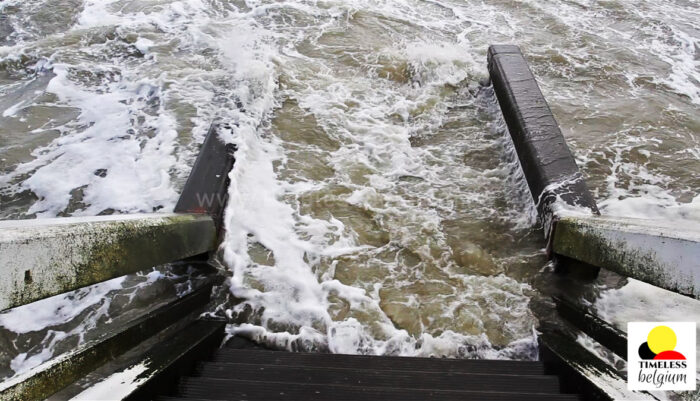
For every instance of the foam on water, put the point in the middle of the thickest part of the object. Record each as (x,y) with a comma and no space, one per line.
(135,173)
(122,151)
(295,299)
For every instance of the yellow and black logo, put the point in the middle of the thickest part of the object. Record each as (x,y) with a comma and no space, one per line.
(660,345)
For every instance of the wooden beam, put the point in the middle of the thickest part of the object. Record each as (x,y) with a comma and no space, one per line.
(581,370)
(45,257)
(595,327)
(662,253)
(548,165)
(207,186)
(53,375)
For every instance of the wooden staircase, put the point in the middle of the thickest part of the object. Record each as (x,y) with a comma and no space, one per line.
(243,371)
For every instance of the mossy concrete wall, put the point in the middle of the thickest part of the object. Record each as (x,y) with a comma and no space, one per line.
(45,257)
(665,254)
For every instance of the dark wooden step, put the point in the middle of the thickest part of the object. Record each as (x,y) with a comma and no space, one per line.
(172,358)
(381,378)
(237,342)
(232,389)
(169,398)
(227,355)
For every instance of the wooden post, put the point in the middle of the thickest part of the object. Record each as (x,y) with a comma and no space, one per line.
(207,185)
(549,167)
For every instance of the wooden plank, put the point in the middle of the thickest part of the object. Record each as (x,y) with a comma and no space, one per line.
(429,380)
(595,327)
(207,185)
(373,362)
(157,369)
(231,389)
(548,165)
(662,253)
(45,257)
(581,371)
(51,376)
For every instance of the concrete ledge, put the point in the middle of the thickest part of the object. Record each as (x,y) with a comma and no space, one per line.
(549,167)
(660,253)
(45,257)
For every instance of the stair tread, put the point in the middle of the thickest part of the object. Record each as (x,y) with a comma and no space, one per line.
(171,398)
(377,362)
(237,342)
(381,378)
(232,389)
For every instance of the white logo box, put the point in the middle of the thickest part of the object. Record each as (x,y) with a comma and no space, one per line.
(661,375)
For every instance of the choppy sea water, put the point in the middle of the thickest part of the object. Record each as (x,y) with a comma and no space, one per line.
(375,204)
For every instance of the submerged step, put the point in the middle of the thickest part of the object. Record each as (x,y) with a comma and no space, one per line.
(379,363)
(232,389)
(435,380)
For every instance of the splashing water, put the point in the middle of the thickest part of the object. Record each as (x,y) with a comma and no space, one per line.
(376,205)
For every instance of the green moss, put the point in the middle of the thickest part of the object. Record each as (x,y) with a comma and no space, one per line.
(95,252)
(594,246)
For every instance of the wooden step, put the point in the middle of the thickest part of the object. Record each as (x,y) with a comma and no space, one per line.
(228,355)
(381,378)
(233,389)
(169,398)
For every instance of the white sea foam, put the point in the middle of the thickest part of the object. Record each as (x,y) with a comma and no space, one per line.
(55,310)
(292,299)
(116,386)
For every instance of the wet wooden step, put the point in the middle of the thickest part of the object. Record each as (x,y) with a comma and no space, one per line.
(228,355)
(382,378)
(170,398)
(233,389)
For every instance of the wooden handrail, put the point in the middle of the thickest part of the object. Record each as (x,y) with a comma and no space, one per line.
(658,252)
(655,252)
(548,166)
(45,257)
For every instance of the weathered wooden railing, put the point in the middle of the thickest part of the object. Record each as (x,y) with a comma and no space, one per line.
(660,253)
(45,257)
(657,252)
